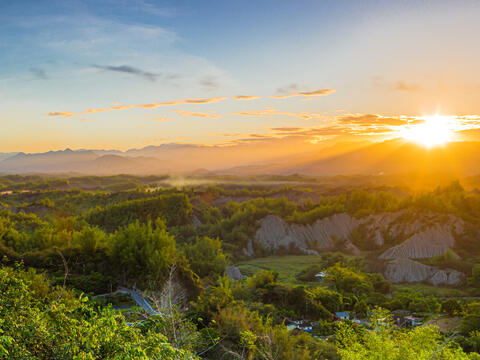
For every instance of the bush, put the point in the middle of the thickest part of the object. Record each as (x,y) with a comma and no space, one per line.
(451,307)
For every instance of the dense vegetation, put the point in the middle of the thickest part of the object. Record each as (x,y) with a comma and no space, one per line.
(67,245)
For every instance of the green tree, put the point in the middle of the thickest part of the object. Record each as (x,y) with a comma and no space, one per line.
(89,239)
(451,307)
(390,343)
(63,326)
(143,255)
(206,257)
(347,281)
(471,318)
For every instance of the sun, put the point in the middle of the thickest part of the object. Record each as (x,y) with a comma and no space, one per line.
(433,131)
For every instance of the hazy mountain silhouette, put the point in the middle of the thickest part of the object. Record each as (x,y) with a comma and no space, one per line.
(388,157)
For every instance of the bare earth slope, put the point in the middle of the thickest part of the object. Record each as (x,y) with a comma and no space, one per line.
(426,236)
(274,233)
(405,270)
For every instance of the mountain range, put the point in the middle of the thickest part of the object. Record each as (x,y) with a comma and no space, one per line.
(387,157)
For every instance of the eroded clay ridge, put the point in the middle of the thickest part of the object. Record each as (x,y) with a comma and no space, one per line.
(424,236)
(403,270)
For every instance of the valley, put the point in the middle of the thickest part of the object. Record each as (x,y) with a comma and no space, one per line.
(225,251)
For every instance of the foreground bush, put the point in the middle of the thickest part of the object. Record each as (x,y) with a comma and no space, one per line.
(40,324)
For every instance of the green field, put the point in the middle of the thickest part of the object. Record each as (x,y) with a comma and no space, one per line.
(438,291)
(286,266)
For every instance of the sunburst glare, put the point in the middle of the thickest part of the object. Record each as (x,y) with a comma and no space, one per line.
(433,131)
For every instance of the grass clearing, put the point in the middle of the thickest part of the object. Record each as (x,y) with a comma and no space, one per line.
(286,266)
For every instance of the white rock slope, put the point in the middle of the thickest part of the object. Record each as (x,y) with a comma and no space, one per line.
(275,233)
(433,241)
(427,235)
(403,270)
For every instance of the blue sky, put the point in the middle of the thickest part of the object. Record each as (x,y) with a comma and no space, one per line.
(389,58)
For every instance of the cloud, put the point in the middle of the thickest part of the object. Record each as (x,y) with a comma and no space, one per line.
(323,131)
(145,106)
(160,119)
(39,73)
(371,119)
(256,113)
(210,82)
(146,7)
(204,100)
(308,134)
(245,97)
(332,130)
(271,111)
(286,129)
(228,134)
(379,81)
(287,89)
(402,86)
(320,92)
(197,114)
(126,69)
(61,113)
(251,140)
(371,131)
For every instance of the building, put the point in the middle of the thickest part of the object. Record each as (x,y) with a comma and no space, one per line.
(320,276)
(343,315)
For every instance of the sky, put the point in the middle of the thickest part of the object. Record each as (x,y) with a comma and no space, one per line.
(127,74)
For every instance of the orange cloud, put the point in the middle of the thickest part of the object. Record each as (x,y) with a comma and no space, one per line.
(266,112)
(145,106)
(371,131)
(61,113)
(320,92)
(287,129)
(372,119)
(271,111)
(204,100)
(228,134)
(198,114)
(160,119)
(245,97)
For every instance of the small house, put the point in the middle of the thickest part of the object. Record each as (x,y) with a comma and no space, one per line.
(411,321)
(343,315)
(300,325)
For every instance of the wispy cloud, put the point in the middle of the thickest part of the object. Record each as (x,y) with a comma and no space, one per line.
(288,89)
(320,92)
(272,111)
(286,129)
(207,115)
(145,106)
(245,97)
(400,85)
(209,82)
(372,119)
(39,73)
(61,113)
(126,69)
(204,100)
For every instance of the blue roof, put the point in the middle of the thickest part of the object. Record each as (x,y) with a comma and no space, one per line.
(342,314)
